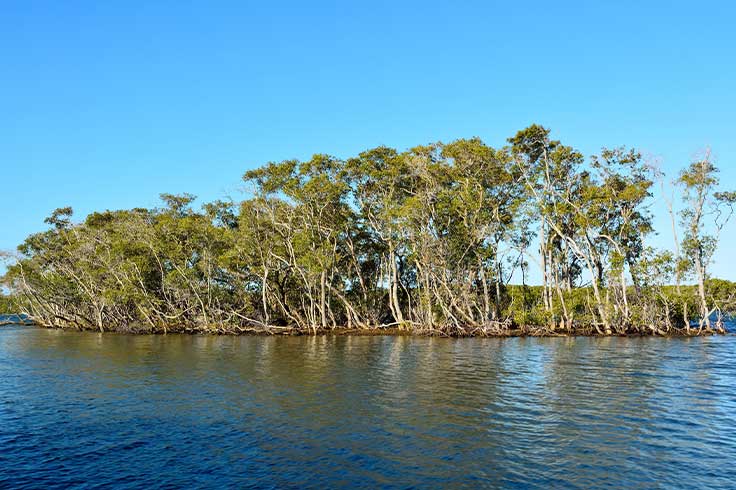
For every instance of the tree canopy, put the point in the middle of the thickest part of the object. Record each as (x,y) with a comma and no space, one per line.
(435,239)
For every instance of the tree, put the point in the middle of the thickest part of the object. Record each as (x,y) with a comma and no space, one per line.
(425,239)
(701,201)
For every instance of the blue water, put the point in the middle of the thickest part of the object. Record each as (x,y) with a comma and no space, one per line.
(88,410)
(20,319)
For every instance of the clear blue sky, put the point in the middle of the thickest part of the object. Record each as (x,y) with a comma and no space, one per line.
(103,105)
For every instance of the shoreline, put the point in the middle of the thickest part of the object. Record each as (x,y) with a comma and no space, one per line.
(524,332)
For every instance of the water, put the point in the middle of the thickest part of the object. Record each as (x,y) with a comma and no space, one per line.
(90,410)
(19,319)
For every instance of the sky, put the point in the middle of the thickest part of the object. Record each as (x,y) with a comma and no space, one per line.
(104,105)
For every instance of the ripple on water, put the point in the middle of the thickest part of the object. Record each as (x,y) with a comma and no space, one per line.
(85,409)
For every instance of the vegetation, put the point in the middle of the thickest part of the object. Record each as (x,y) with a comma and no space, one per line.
(6,305)
(427,240)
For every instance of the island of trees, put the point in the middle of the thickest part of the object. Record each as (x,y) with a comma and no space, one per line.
(440,239)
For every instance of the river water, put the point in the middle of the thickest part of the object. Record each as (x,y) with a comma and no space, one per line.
(91,410)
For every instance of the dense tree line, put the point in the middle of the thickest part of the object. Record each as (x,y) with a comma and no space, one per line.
(430,240)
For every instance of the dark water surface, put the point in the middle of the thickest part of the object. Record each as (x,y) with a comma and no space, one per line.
(89,410)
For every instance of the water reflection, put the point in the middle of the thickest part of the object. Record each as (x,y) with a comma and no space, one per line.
(364,412)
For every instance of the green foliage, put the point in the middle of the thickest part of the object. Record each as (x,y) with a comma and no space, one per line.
(7,306)
(427,239)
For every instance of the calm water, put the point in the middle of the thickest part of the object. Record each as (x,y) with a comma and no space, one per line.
(91,410)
